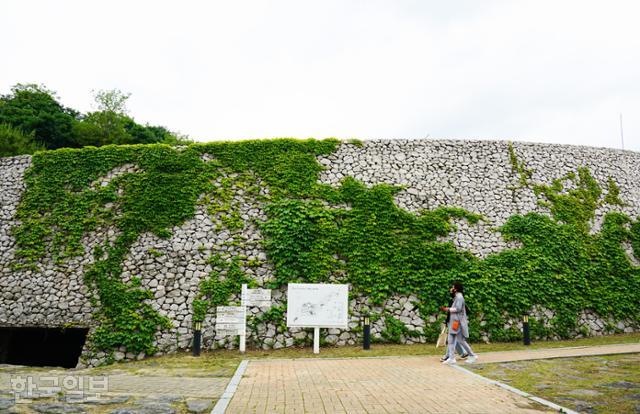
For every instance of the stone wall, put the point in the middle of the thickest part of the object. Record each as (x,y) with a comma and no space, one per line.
(474,175)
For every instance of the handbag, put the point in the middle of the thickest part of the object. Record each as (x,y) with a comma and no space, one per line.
(455,325)
(442,338)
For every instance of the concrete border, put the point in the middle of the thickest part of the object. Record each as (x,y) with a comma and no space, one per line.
(225,399)
(521,393)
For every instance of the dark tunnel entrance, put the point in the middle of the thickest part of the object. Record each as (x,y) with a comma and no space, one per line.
(42,347)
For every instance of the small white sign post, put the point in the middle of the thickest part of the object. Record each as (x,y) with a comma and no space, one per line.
(256,297)
(251,297)
(229,320)
(316,340)
(232,320)
(316,305)
(243,305)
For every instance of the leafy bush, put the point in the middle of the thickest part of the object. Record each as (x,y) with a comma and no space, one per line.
(15,142)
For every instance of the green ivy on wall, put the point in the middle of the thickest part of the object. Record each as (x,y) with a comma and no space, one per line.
(519,168)
(225,280)
(635,238)
(395,330)
(64,201)
(318,233)
(374,245)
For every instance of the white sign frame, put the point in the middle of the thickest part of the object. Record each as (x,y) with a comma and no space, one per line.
(256,297)
(228,323)
(317,294)
(321,292)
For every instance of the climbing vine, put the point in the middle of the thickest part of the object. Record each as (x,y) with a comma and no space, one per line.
(318,233)
(394,330)
(635,238)
(225,279)
(613,193)
(65,199)
(518,167)
(374,245)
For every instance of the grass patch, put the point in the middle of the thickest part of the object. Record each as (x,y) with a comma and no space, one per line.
(378,350)
(224,362)
(221,363)
(594,384)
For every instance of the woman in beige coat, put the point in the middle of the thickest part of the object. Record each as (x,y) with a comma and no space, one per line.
(458,326)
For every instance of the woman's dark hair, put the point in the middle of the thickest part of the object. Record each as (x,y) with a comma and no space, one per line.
(458,287)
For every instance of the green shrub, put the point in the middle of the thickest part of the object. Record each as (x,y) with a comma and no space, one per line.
(15,142)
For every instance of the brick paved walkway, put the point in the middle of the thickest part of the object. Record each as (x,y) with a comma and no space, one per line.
(377,385)
(387,385)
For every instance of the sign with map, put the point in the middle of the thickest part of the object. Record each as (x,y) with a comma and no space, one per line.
(317,305)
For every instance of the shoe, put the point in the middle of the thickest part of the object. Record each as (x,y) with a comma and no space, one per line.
(464,356)
(444,358)
(450,361)
(472,359)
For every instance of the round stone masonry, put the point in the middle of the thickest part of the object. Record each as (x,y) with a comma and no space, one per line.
(475,175)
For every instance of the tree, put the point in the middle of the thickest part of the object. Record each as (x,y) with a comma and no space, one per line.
(101,128)
(107,124)
(149,134)
(111,124)
(15,142)
(112,100)
(34,108)
(35,112)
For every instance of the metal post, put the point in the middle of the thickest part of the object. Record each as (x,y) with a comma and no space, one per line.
(316,340)
(366,331)
(525,329)
(197,338)
(243,334)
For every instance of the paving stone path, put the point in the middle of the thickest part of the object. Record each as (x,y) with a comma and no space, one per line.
(387,385)
(365,385)
(377,385)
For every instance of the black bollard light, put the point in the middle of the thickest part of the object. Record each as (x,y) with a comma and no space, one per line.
(366,331)
(525,329)
(197,337)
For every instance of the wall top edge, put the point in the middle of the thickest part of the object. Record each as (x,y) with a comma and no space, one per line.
(491,142)
(479,142)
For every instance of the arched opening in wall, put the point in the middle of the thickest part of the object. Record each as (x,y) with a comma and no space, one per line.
(41,347)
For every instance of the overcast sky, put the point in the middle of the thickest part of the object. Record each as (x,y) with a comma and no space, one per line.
(543,71)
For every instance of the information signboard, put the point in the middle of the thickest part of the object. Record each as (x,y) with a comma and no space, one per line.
(317,305)
(230,320)
(256,297)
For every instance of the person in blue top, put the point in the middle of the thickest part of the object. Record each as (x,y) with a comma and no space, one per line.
(458,326)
